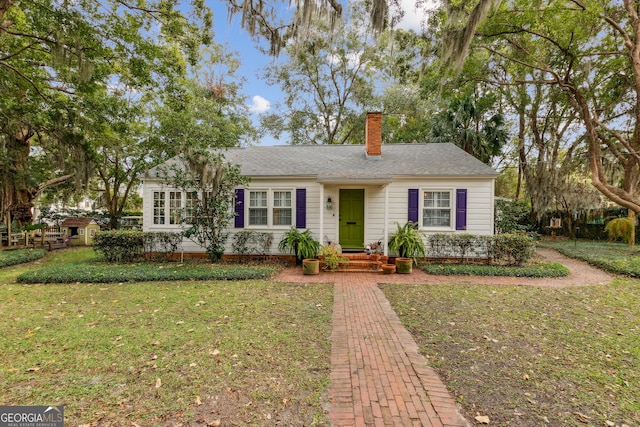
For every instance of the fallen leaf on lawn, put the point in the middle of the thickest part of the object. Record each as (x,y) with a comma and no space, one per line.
(610,423)
(33,369)
(158,383)
(215,352)
(180,322)
(581,417)
(215,423)
(525,377)
(198,401)
(482,419)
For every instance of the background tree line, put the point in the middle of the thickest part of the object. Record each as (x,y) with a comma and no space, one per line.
(94,93)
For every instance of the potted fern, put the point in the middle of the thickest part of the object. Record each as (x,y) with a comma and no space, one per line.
(302,244)
(407,242)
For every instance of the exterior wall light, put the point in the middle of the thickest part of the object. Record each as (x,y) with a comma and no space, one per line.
(329,204)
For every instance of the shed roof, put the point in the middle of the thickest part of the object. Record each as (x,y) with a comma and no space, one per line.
(77,222)
(333,163)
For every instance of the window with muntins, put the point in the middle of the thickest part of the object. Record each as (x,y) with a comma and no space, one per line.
(258,208)
(190,203)
(436,209)
(158,207)
(282,208)
(175,207)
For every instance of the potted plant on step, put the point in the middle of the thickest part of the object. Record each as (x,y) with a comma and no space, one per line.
(407,242)
(302,244)
(332,257)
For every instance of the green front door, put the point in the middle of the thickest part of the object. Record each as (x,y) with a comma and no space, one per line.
(351,219)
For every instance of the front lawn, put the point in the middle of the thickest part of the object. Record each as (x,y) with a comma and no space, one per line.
(164,353)
(617,258)
(20,256)
(531,356)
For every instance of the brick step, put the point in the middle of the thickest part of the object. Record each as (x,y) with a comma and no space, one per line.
(359,265)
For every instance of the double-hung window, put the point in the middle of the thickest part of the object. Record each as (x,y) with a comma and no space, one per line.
(282,208)
(436,209)
(190,204)
(270,208)
(158,207)
(258,208)
(175,207)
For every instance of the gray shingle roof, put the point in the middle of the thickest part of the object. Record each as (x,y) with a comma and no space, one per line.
(349,162)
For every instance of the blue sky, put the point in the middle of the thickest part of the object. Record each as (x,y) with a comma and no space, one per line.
(260,96)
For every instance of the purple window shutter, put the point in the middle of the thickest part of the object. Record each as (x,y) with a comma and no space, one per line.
(239,208)
(301,208)
(461,209)
(413,205)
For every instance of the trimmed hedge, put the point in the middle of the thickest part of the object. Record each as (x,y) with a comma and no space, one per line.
(251,242)
(504,249)
(146,272)
(133,245)
(20,256)
(552,269)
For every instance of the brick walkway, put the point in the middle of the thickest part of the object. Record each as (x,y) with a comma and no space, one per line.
(378,378)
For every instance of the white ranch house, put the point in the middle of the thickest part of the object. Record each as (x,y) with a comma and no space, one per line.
(350,194)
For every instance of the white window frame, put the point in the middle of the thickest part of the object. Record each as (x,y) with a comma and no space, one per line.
(451,209)
(159,209)
(191,199)
(270,207)
(175,207)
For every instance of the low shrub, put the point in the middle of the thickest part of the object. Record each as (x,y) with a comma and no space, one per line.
(250,242)
(132,245)
(161,245)
(620,229)
(552,269)
(504,249)
(145,272)
(512,249)
(20,256)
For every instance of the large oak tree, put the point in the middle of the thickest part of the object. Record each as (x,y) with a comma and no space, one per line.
(54,56)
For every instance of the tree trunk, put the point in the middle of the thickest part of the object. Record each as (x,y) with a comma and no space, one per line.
(632,220)
(4,7)
(17,195)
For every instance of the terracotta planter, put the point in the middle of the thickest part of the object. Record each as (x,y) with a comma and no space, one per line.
(311,266)
(374,257)
(388,268)
(404,265)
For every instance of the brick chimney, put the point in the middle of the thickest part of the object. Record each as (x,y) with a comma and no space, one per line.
(373,132)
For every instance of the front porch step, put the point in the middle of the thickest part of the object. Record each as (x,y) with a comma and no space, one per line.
(358,263)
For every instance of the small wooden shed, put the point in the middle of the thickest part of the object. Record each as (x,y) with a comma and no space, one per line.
(80,230)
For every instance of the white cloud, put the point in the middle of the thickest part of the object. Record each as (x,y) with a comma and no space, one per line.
(259,105)
(415,15)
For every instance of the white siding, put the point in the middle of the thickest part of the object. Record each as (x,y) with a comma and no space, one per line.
(479,207)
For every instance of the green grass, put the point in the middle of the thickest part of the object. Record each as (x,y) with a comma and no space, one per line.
(531,356)
(249,352)
(617,258)
(537,269)
(20,256)
(84,268)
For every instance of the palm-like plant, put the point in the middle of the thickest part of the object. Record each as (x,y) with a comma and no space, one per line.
(301,243)
(407,241)
(467,123)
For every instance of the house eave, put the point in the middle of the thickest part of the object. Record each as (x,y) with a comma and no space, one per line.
(355,180)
